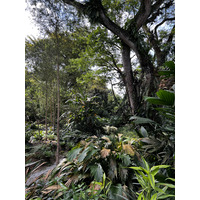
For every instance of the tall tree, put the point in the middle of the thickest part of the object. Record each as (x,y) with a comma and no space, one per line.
(144,20)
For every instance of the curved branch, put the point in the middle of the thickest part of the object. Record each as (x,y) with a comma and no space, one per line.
(156,27)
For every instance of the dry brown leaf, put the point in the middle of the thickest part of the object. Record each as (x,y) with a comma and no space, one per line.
(35,179)
(106,138)
(68,183)
(59,194)
(94,187)
(45,178)
(83,142)
(68,163)
(38,167)
(27,171)
(73,178)
(128,149)
(53,187)
(105,152)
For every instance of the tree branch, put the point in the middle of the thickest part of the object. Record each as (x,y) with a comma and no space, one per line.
(156,27)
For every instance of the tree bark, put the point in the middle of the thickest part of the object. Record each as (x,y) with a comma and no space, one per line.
(46,114)
(58,116)
(128,76)
(58,95)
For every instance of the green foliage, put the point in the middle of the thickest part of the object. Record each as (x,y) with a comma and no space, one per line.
(84,116)
(168,72)
(151,189)
(164,98)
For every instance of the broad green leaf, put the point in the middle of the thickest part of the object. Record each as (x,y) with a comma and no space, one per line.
(97,172)
(167,96)
(136,168)
(83,154)
(143,131)
(146,164)
(159,166)
(141,120)
(115,191)
(155,100)
(165,73)
(73,153)
(155,171)
(170,65)
(126,160)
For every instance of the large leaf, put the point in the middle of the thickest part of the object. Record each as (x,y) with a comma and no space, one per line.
(73,153)
(170,65)
(115,192)
(97,171)
(167,96)
(164,98)
(141,120)
(126,160)
(83,154)
(143,131)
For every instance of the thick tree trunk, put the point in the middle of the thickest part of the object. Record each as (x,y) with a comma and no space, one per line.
(128,76)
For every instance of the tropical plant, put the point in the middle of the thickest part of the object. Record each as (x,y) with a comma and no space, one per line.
(151,188)
(158,135)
